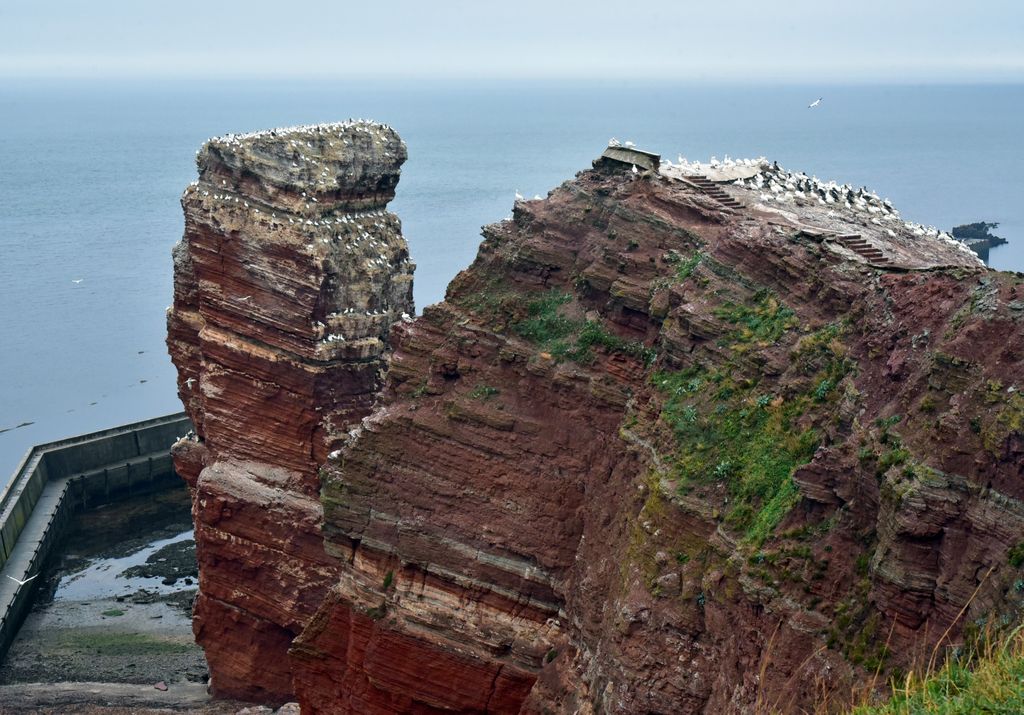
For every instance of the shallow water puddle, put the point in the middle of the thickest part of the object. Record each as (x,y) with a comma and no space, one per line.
(106,577)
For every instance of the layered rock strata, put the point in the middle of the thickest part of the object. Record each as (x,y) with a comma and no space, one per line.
(654,454)
(289,275)
(664,448)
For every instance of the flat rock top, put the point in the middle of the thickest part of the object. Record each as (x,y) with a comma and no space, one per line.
(322,161)
(770,193)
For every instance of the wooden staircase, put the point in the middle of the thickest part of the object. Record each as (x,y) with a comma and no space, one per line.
(859,245)
(714,191)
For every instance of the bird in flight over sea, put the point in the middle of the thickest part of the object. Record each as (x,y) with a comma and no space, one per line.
(77,280)
(815,103)
(20,582)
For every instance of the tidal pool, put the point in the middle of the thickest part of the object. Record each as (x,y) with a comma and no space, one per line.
(115,600)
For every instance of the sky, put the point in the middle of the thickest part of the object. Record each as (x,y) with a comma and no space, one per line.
(686,40)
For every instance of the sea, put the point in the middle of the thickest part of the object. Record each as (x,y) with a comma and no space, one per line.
(91,174)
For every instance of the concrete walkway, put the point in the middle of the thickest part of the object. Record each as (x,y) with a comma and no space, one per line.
(31,548)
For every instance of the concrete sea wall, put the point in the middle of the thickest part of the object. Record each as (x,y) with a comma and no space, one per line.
(58,479)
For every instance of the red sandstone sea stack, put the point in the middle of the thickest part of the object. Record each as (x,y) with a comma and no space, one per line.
(290,273)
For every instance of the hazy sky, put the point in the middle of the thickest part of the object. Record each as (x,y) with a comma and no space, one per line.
(785,40)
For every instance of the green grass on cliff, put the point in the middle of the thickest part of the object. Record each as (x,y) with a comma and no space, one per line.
(762,320)
(731,430)
(991,683)
(568,338)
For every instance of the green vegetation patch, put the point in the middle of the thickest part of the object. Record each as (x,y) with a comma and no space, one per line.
(762,320)
(572,339)
(989,681)
(686,268)
(729,431)
(484,392)
(108,643)
(1009,416)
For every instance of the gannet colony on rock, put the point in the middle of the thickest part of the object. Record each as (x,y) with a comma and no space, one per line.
(828,205)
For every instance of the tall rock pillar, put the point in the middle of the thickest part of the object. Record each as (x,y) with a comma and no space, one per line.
(286,282)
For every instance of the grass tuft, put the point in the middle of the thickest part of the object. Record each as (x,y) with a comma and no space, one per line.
(566,338)
(989,679)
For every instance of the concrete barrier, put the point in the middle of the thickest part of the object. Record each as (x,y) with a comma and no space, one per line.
(58,479)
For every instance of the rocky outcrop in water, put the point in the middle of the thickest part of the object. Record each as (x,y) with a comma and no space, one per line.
(287,280)
(664,448)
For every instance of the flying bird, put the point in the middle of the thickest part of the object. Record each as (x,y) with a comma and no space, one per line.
(77,280)
(20,582)
(815,103)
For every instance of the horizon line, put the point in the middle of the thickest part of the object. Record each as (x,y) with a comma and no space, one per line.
(1010,78)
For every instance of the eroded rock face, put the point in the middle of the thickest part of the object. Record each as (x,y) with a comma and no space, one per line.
(658,451)
(287,280)
(574,495)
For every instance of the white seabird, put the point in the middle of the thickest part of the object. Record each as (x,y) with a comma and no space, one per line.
(815,103)
(19,581)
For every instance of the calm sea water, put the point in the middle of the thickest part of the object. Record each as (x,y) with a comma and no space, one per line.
(90,177)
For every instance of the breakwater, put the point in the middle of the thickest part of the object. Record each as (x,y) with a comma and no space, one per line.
(58,479)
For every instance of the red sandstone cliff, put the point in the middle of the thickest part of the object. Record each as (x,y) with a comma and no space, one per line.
(658,451)
(287,280)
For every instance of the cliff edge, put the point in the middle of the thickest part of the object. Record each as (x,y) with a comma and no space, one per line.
(666,447)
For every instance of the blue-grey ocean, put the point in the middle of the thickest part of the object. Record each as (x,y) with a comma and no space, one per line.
(90,176)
